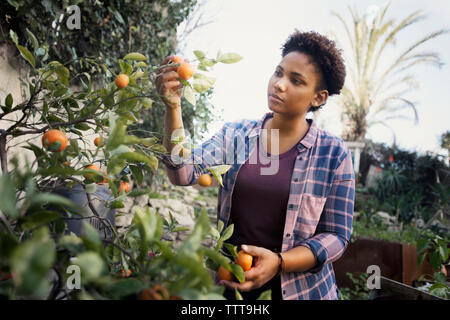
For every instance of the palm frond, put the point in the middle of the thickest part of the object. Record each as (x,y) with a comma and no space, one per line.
(409,20)
(347,30)
(403,57)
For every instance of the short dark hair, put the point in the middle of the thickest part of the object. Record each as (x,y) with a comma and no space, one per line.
(325,56)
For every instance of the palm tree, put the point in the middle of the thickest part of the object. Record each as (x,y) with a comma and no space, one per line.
(376,93)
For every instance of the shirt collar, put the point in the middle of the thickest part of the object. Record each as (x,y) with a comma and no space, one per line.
(307,141)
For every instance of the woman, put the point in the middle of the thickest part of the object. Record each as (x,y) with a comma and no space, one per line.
(291,196)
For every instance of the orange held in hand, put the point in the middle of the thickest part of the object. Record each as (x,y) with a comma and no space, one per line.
(122,81)
(54,140)
(224,274)
(185,70)
(245,260)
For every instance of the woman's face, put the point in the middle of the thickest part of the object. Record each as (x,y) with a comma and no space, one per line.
(295,81)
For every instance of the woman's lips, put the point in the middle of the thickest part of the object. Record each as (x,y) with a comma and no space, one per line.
(275,98)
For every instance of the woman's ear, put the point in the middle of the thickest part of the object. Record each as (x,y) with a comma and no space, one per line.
(320,98)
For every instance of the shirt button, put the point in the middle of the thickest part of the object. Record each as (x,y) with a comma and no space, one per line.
(295,179)
(284,291)
(288,235)
(291,206)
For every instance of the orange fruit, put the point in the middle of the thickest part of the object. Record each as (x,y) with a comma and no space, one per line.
(245,260)
(67,163)
(157,292)
(54,140)
(177,59)
(125,275)
(149,294)
(90,176)
(124,186)
(185,71)
(205,180)
(99,142)
(224,274)
(122,81)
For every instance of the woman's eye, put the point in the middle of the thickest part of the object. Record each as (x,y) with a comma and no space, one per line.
(277,73)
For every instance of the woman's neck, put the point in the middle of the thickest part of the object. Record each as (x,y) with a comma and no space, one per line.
(288,128)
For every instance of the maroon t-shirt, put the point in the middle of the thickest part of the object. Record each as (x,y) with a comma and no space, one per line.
(259,203)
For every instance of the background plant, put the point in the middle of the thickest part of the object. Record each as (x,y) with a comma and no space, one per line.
(379,82)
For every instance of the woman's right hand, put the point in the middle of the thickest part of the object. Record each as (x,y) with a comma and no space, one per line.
(168,86)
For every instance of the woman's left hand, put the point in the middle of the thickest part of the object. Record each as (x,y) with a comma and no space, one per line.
(266,267)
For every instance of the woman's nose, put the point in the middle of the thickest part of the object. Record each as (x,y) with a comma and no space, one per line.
(279,85)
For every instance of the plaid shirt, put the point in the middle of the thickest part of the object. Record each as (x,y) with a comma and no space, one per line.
(321,200)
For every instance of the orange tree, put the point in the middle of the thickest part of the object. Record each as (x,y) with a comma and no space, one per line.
(39,256)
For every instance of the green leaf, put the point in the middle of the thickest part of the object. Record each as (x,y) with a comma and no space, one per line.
(150,160)
(238,272)
(189,95)
(137,174)
(130,139)
(13,36)
(91,265)
(116,137)
(202,83)
(31,262)
(228,232)
(266,295)
(82,126)
(50,198)
(26,55)
(443,252)
(237,294)
(148,223)
(124,287)
(71,242)
(229,58)
(33,40)
(218,258)
(115,165)
(192,243)
(9,101)
(125,67)
(91,238)
(147,103)
(141,64)
(434,260)
(199,54)
(39,218)
(440,277)
(232,249)
(91,188)
(9,200)
(181,228)
(135,56)
(220,226)
(217,171)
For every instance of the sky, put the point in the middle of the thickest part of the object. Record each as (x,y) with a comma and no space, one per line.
(257,29)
